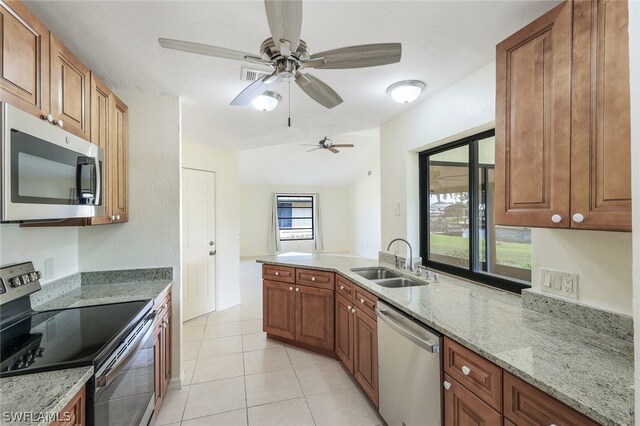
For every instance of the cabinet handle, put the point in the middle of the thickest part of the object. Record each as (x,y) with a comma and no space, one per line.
(556,218)
(291,288)
(362,301)
(466,370)
(348,307)
(117,217)
(313,278)
(341,287)
(353,311)
(297,288)
(112,218)
(48,117)
(60,123)
(578,218)
(276,273)
(447,385)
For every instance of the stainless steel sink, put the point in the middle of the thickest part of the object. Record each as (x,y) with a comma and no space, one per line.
(398,282)
(376,274)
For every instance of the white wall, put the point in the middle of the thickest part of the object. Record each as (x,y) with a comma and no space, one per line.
(225,164)
(37,244)
(255,218)
(462,109)
(365,213)
(634,54)
(152,236)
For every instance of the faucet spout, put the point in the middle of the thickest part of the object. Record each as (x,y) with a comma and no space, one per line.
(410,263)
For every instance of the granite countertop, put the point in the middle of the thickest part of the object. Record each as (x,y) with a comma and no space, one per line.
(38,398)
(45,394)
(586,369)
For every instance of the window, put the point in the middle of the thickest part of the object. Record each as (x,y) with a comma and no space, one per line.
(458,232)
(295,217)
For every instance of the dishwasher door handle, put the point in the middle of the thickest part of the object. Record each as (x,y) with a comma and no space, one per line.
(425,344)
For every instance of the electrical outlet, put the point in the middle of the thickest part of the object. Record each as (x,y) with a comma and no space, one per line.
(48,269)
(560,283)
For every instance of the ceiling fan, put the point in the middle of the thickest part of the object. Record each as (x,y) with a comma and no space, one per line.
(328,144)
(288,55)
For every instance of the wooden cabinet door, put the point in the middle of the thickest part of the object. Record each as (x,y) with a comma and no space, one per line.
(74,413)
(601,140)
(344,331)
(462,408)
(119,158)
(365,354)
(279,313)
(69,90)
(314,317)
(100,135)
(533,114)
(24,59)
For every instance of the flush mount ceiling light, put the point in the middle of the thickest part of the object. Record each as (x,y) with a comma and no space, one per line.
(406,91)
(267,101)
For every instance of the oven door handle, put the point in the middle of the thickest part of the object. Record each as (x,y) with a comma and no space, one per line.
(132,350)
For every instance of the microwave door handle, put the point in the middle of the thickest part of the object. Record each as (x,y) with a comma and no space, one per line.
(98,183)
(82,195)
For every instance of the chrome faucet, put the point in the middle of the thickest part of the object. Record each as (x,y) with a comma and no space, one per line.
(409,265)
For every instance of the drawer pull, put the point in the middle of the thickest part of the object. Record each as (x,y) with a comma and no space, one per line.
(466,370)
(341,287)
(276,273)
(313,278)
(362,301)
(349,307)
(353,311)
(447,385)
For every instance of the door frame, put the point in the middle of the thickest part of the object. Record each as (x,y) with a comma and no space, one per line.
(215,228)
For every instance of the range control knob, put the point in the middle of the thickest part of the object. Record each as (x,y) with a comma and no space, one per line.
(39,352)
(14,282)
(33,276)
(25,279)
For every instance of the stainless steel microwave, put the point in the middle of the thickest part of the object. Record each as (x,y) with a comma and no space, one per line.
(47,172)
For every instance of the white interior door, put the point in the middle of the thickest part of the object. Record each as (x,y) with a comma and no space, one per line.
(198,243)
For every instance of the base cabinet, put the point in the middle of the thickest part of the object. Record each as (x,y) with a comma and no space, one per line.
(74,413)
(162,350)
(365,354)
(461,407)
(279,309)
(314,317)
(344,331)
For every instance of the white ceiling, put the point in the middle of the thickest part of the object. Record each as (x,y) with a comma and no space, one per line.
(442,42)
(291,164)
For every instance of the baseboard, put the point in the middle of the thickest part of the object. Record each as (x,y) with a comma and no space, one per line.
(230,304)
(176,383)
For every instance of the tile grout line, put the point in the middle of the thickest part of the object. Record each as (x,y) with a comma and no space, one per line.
(244,370)
(304,395)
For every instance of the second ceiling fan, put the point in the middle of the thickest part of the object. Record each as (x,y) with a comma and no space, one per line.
(287,54)
(328,144)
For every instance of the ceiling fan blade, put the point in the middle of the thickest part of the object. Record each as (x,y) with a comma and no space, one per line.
(312,63)
(208,50)
(315,149)
(308,144)
(343,145)
(366,55)
(252,91)
(332,149)
(285,23)
(317,90)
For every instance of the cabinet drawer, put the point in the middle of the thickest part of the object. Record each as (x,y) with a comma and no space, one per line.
(365,301)
(344,287)
(525,405)
(313,278)
(480,376)
(283,274)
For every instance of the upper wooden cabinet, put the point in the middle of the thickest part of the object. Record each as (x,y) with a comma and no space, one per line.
(119,161)
(24,59)
(101,113)
(600,132)
(562,120)
(533,102)
(69,90)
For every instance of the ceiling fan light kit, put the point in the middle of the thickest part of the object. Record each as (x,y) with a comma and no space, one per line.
(288,55)
(266,101)
(406,91)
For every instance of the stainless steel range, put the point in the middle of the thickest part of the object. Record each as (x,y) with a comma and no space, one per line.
(116,339)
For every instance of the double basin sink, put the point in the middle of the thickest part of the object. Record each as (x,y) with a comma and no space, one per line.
(386,278)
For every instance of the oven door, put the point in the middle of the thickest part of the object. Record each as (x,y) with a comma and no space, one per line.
(47,173)
(124,393)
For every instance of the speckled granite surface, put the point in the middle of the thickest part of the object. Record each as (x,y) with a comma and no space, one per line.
(587,370)
(39,396)
(618,325)
(55,289)
(126,275)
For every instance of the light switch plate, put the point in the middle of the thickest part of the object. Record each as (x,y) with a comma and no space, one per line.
(560,283)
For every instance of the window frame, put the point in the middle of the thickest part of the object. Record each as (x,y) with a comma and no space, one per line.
(278,218)
(473,272)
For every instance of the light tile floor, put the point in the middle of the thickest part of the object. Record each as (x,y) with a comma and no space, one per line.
(236,376)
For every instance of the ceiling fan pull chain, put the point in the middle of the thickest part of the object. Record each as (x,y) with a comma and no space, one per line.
(289,119)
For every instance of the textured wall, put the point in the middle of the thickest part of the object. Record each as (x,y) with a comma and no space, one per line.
(365,213)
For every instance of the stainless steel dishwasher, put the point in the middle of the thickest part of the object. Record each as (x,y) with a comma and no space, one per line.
(408,370)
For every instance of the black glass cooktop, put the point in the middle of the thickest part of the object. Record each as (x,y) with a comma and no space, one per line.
(65,338)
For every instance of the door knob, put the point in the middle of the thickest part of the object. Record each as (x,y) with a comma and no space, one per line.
(212,253)
(210,243)
(578,218)
(556,218)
